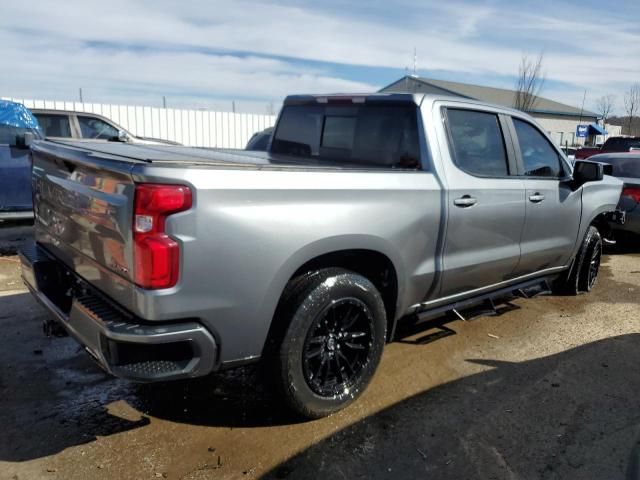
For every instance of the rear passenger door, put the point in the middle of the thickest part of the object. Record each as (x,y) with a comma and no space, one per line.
(553,209)
(485,202)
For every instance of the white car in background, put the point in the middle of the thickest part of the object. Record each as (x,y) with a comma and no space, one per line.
(61,124)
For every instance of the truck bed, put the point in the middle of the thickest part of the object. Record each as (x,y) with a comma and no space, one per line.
(174,155)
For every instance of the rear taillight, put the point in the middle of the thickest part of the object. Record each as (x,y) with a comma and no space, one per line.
(633,192)
(156,254)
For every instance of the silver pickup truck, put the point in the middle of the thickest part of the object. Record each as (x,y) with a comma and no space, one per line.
(170,262)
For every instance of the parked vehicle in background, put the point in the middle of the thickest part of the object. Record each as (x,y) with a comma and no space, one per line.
(17,125)
(259,141)
(171,262)
(65,125)
(570,152)
(626,167)
(611,145)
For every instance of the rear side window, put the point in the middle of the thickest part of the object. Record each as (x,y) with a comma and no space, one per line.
(477,143)
(54,125)
(539,157)
(371,135)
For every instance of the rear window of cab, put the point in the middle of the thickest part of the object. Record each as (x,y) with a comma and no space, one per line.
(368,135)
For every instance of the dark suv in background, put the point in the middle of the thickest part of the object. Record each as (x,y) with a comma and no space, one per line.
(15,161)
(612,145)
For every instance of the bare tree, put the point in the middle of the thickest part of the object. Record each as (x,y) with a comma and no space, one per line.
(604,106)
(529,84)
(632,105)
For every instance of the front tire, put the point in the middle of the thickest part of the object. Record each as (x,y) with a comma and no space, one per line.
(584,272)
(333,343)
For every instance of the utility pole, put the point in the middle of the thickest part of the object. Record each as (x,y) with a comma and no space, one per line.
(415,62)
(80,90)
(233,106)
(164,101)
(584,97)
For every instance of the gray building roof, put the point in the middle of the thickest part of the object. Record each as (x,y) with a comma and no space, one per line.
(499,96)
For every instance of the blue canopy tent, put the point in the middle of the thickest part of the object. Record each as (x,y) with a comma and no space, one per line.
(595,129)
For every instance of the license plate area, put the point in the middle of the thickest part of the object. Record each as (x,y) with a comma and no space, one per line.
(56,283)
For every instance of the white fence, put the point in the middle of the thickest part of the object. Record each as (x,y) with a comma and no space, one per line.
(196,128)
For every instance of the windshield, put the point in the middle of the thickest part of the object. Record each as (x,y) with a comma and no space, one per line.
(375,135)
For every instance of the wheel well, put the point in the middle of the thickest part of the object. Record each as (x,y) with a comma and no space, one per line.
(371,264)
(602,224)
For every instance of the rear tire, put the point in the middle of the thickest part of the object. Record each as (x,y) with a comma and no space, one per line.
(583,274)
(333,342)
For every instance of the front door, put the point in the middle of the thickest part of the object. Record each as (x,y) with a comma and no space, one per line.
(485,203)
(553,209)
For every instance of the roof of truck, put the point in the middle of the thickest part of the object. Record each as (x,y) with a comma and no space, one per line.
(354,98)
(390,97)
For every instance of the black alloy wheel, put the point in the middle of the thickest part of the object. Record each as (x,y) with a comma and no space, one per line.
(334,327)
(338,347)
(594,265)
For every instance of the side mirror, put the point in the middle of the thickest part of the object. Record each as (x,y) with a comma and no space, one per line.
(584,172)
(25,140)
(123,136)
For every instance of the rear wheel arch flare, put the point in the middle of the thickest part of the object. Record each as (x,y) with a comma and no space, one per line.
(371,264)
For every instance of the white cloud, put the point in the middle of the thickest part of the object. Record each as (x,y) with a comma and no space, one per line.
(49,49)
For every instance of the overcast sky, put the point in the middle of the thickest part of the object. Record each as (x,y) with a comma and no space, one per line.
(207,53)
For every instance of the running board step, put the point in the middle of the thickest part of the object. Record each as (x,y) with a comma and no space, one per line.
(484,304)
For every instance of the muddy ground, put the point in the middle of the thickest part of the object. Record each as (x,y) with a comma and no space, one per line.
(547,389)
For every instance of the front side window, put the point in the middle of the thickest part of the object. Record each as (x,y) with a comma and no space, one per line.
(54,125)
(477,143)
(539,157)
(371,135)
(92,127)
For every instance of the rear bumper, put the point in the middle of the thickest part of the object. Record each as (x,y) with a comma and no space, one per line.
(123,345)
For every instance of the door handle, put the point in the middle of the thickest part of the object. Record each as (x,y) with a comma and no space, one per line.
(536,197)
(465,201)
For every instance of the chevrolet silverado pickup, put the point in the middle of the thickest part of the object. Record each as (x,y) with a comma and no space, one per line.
(168,262)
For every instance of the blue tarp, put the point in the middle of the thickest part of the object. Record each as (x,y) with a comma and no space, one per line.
(17,115)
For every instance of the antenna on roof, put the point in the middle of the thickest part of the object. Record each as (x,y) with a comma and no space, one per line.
(415,63)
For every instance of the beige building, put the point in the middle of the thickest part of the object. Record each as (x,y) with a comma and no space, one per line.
(558,119)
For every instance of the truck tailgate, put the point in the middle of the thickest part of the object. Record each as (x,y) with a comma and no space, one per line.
(83,213)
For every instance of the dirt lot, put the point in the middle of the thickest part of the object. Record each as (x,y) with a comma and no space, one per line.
(547,389)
